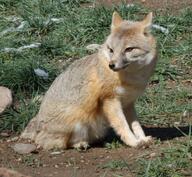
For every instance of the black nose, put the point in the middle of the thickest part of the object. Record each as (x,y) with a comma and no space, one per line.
(111,66)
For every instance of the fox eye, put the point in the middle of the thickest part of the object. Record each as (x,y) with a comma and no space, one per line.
(110,49)
(129,49)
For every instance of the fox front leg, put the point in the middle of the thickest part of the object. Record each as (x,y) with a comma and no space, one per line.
(133,122)
(113,111)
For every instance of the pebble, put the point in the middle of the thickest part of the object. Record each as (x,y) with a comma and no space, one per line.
(5,98)
(56,152)
(56,166)
(21,148)
(4,134)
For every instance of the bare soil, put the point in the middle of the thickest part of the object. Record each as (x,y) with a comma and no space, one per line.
(71,163)
(174,5)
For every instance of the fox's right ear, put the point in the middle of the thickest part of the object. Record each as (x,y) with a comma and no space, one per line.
(116,20)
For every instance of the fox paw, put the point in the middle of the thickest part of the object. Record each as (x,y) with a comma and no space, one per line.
(147,139)
(145,142)
(81,146)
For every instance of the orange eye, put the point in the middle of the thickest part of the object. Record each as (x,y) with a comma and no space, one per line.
(129,49)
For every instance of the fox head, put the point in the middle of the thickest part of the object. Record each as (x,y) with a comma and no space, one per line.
(130,46)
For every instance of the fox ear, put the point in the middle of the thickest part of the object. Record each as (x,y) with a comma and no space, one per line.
(147,23)
(116,20)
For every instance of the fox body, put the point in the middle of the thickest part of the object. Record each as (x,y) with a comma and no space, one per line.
(99,91)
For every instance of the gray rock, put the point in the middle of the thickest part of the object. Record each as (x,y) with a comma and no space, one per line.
(5,98)
(22,148)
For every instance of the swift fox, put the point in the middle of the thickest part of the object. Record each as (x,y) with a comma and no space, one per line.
(99,91)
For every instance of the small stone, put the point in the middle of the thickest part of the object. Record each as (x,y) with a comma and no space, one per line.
(56,166)
(19,159)
(93,47)
(56,152)
(21,148)
(5,134)
(5,98)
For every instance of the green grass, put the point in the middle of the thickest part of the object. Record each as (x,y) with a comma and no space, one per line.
(80,26)
(174,161)
(113,145)
(115,164)
(164,101)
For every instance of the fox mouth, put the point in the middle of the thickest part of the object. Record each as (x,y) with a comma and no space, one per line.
(120,68)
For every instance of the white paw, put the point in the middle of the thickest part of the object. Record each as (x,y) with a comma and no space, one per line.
(145,142)
(81,146)
(147,139)
(134,143)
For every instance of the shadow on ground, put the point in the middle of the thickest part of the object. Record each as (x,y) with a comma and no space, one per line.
(161,133)
(166,133)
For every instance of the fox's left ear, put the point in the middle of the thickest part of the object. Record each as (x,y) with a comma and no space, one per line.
(116,20)
(147,23)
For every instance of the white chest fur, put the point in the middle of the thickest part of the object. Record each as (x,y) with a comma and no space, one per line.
(128,94)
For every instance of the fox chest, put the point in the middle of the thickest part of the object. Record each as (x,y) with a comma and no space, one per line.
(127,94)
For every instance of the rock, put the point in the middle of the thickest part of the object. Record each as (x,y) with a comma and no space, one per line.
(56,152)
(22,148)
(4,134)
(93,47)
(4,172)
(5,98)
(41,73)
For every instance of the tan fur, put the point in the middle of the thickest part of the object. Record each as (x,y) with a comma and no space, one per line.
(99,91)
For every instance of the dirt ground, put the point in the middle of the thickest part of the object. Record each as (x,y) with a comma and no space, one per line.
(72,163)
(173,5)
(91,163)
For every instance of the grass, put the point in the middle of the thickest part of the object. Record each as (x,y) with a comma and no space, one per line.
(115,164)
(165,100)
(113,145)
(32,161)
(174,161)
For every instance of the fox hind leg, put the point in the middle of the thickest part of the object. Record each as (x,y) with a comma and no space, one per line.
(80,137)
(53,140)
